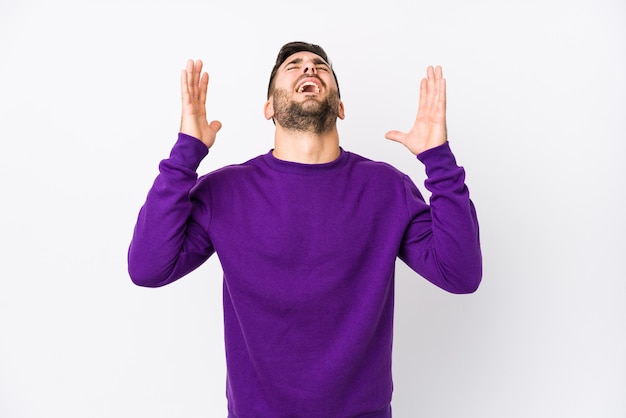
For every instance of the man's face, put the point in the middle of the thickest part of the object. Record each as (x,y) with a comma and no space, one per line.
(305,95)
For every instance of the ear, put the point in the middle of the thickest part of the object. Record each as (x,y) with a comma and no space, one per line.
(268,109)
(341,113)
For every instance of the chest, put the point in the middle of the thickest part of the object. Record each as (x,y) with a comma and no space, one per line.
(303,216)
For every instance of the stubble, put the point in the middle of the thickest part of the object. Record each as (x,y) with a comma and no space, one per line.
(309,116)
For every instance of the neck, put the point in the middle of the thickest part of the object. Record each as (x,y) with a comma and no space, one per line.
(306,147)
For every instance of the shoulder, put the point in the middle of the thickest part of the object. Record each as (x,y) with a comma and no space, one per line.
(233,170)
(374,167)
(229,175)
(378,177)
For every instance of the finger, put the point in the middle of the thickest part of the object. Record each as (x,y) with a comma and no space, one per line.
(429,87)
(430,75)
(204,83)
(440,92)
(216,125)
(189,70)
(188,77)
(184,86)
(442,96)
(396,136)
(438,72)
(423,93)
(197,72)
(430,72)
(191,79)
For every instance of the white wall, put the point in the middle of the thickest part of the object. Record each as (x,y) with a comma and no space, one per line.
(89,104)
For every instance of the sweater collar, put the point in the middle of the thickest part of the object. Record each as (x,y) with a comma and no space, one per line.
(305,169)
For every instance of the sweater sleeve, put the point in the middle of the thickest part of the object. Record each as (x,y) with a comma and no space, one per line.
(442,241)
(169,238)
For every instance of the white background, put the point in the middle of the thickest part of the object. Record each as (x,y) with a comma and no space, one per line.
(89,104)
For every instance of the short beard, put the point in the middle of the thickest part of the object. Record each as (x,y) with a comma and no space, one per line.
(309,116)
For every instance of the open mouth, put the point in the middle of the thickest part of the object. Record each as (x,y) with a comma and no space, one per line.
(308,86)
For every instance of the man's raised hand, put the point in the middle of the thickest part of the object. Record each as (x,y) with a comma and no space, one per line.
(193,87)
(429,129)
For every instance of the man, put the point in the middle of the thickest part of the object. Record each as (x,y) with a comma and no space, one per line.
(307,236)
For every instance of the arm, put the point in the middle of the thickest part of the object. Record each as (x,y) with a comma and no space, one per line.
(169,239)
(441,243)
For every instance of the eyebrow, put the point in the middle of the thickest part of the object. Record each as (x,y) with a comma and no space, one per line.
(316,61)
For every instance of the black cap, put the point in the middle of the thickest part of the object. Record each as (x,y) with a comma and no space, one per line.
(291,48)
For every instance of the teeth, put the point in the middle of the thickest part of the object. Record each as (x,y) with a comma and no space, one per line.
(308,83)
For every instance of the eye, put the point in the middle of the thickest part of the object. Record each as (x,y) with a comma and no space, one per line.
(322,68)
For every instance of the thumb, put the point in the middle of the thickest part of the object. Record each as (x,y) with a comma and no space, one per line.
(216,125)
(396,136)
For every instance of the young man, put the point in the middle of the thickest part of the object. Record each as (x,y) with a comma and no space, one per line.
(308,235)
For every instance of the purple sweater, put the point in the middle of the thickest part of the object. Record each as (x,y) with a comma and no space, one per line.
(308,255)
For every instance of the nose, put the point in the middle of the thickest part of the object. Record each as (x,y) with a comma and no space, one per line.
(309,68)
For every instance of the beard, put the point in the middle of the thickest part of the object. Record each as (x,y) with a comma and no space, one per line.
(309,116)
